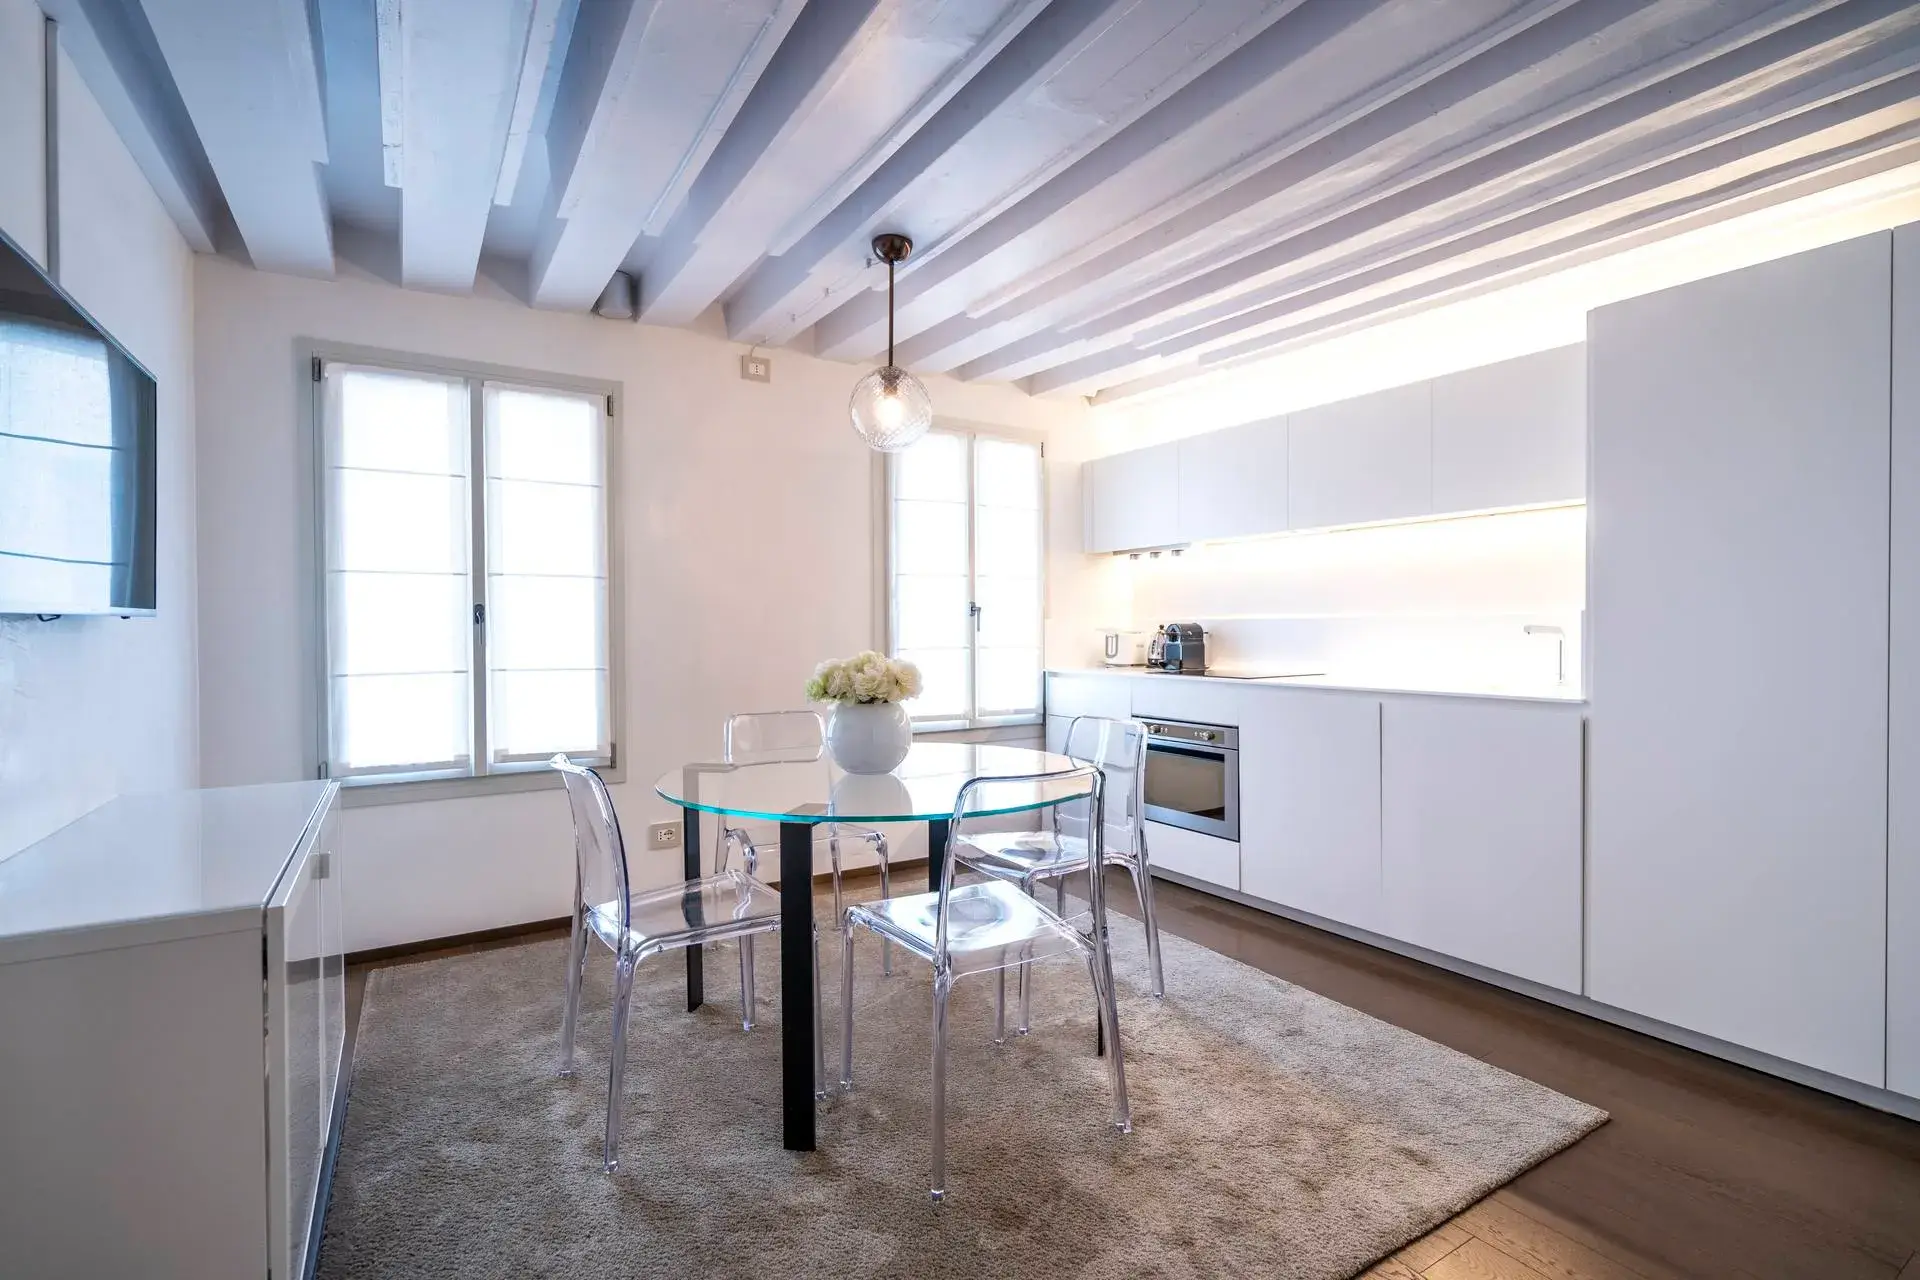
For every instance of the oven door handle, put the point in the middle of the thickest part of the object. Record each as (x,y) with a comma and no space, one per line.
(1195,750)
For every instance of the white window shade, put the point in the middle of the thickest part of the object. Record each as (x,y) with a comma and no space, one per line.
(546,580)
(396,563)
(965,577)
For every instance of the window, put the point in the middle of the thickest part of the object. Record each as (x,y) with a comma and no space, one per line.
(464,552)
(964,576)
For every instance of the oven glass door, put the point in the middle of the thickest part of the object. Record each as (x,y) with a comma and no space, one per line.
(1194,787)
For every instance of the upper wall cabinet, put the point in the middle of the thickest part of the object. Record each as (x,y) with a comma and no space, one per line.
(1362,460)
(1135,499)
(1233,483)
(1512,434)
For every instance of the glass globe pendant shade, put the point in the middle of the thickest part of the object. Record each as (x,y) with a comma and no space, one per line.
(890,409)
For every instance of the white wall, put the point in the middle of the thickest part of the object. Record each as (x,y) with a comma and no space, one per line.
(94,707)
(748,538)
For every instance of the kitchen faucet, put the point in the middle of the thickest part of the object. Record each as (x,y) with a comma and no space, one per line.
(1560,650)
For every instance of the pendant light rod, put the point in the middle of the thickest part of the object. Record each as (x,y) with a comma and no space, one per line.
(891,248)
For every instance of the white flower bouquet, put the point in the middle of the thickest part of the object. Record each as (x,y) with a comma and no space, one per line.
(866,677)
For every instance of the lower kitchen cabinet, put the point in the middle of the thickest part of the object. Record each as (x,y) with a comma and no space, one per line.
(1194,855)
(1310,803)
(1480,826)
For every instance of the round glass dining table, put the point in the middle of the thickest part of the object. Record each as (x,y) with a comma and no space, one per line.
(802,794)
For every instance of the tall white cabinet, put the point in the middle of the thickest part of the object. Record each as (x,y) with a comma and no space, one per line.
(1903,775)
(172,1009)
(1740,529)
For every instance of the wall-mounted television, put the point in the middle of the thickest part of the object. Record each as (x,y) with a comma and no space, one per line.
(77,442)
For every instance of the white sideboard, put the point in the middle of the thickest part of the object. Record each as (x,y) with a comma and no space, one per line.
(152,1121)
(1506,435)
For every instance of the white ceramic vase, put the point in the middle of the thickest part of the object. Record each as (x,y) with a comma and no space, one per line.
(868,737)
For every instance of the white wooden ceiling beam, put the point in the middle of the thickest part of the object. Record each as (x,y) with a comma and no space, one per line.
(1078,73)
(246,74)
(648,89)
(852,83)
(113,49)
(1622,45)
(456,70)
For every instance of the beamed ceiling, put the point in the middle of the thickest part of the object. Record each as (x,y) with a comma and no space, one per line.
(1103,194)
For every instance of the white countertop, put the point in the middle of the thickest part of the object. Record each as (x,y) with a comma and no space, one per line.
(1517,692)
(198,859)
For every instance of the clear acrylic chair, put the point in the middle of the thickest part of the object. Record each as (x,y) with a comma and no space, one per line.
(1118,748)
(757,737)
(637,924)
(988,926)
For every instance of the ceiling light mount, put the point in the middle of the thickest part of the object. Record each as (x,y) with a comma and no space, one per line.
(891,247)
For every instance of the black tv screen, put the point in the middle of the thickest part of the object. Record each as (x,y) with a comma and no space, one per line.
(77,439)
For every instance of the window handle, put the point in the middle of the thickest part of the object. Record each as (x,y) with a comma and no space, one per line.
(974,611)
(479,615)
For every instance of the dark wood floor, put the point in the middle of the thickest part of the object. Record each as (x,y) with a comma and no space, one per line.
(1706,1169)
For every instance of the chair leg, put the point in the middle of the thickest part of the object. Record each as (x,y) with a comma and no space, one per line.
(617,1068)
(1143,889)
(846,1011)
(746,983)
(1026,998)
(942,984)
(833,856)
(886,891)
(819,1026)
(576,963)
(1110,1024)
(1060,896)
(1000,1005)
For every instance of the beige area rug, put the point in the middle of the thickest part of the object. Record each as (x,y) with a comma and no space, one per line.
(1276,1133)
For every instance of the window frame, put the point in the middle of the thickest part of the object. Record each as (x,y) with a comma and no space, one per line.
(487,776)
(887,603)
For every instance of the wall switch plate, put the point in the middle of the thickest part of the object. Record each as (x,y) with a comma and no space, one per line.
(663,835)
(756,368)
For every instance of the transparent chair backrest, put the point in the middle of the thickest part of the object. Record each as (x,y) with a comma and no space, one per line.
(978,797)
(599,853)
(759,737)
(1119,749)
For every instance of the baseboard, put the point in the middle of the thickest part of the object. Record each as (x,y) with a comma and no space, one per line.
(1797,1073)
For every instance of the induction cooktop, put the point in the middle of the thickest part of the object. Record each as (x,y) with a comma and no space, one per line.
(1233,673)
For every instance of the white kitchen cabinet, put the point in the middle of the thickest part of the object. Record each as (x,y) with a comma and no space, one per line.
(1361,460)
(1089,695)
(1310,803)
(156,1123)
(1903,834)
(1136,499)
(1193,854)
(1512,434)
(1480,833)
(1233,483)
(1057,732)
(1737,870)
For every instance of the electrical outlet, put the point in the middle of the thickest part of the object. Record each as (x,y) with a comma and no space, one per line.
(663,835)
(756,368)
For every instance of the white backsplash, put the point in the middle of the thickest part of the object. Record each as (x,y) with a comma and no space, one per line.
(1442,604)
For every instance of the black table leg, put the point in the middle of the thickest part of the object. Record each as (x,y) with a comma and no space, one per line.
(796,984)
(936,851)
(690,864)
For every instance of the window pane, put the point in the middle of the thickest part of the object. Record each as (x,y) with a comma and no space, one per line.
(1009,542)
(930,613)
(402,422)
(1009,680)
(943,693)
(547,636)
(536,713)
(542,436)
(933,468)
(1008,475)
(930,537)
(397,560)
(384,722)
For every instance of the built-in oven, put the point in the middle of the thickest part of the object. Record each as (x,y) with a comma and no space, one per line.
(1193,777)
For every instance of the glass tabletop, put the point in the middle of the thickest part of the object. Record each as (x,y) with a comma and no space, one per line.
(922,789)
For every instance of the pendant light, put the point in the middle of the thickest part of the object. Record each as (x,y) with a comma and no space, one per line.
(890,408)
